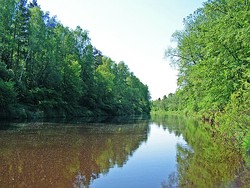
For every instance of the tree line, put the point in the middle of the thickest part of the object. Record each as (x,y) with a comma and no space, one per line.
(213,58)
(47,69)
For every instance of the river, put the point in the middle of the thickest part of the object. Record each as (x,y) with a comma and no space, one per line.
(116,152)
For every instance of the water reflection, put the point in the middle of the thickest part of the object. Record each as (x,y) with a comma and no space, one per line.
(80,181)
(166,152)
(204,162)
(69,155)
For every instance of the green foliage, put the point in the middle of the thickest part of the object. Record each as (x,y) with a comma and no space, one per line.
(7,94)
(121,92)
(48,68)
(7,91)
(212,56)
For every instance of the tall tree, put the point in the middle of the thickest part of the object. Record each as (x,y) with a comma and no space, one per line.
(20,38)
(7,14)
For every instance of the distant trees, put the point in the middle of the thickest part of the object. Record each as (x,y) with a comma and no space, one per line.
(121,91)
(48,68)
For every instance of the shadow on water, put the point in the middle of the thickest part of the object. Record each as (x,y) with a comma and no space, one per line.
(15,124)
(205,161)
(68,154)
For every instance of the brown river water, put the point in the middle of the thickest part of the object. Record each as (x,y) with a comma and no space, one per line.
(128,152)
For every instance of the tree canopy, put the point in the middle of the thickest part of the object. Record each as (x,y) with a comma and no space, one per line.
(47,69)
(213,59)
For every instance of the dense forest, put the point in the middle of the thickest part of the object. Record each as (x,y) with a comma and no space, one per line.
(212,55)
(47,69)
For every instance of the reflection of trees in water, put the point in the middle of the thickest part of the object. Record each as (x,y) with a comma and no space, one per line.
(174,124)
(80,181)
(172,181)
(73,155)
(207,165)
(205,161)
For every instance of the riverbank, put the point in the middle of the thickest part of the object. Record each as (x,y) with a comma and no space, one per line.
(28,112)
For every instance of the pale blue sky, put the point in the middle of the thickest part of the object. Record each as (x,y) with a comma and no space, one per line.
(134,31)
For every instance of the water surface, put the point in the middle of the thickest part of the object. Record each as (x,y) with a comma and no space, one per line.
(163,152)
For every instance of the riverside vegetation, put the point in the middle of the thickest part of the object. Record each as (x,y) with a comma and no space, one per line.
(213,58)
(49,70)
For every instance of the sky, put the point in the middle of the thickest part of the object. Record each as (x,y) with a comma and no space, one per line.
(134,31)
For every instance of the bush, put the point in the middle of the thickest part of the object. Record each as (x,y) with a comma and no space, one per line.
(7,94)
